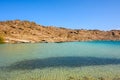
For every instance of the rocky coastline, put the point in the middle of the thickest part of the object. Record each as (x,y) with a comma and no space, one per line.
(16,31)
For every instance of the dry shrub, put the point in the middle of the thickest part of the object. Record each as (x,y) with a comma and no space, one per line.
(1,39)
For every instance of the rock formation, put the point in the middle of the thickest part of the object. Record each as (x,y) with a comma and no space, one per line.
(17,31)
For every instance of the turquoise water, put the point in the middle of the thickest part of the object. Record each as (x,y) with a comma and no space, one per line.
(49,61)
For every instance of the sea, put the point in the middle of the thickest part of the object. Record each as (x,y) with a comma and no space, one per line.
(89,60)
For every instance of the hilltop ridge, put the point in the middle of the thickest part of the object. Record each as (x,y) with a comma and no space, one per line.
(16,31)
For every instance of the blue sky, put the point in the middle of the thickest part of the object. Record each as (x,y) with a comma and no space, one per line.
(74,14)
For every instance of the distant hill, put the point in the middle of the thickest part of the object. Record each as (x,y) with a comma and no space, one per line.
(17,31)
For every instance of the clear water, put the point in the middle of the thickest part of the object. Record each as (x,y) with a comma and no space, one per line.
(60,61)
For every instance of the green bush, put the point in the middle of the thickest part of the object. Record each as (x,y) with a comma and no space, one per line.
(1,40)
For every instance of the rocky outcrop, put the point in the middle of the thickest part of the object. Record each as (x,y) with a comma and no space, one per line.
(25,32)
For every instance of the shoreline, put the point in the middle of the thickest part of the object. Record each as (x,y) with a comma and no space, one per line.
(57,42)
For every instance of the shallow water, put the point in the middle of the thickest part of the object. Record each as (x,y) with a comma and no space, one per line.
(60,61)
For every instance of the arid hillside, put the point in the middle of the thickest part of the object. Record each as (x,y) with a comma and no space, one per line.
(17,31)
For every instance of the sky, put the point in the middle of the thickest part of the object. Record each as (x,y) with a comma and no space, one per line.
(73,14)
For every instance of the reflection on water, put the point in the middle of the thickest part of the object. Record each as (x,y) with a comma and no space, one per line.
(95,60)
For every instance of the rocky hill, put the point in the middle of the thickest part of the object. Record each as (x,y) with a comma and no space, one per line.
(24,32)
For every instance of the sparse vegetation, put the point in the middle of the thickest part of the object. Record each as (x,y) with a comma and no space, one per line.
(1,40)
